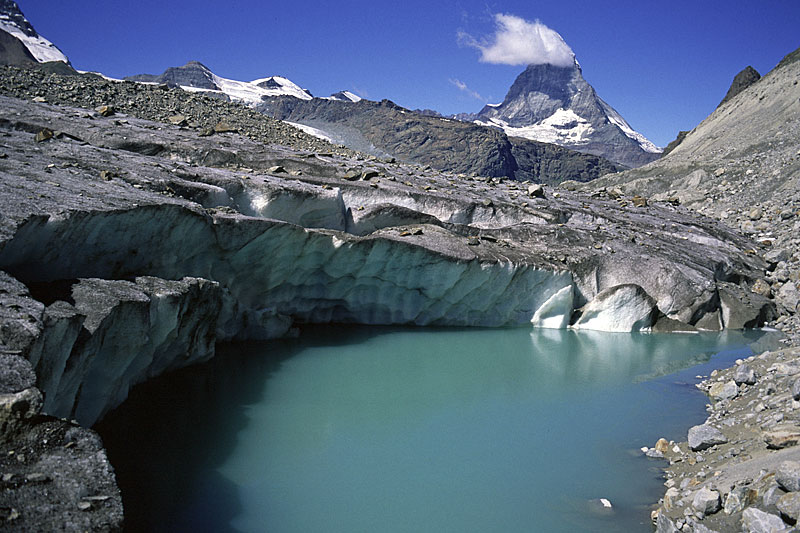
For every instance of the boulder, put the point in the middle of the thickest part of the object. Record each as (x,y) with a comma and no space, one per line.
(723,390)
(744,374)
(788,476)
(782,436)
(757,521)
(744,309)
(706,501)
(704,436)
(789,506)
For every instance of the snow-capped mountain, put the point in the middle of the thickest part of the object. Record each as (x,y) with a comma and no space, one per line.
(344,96)
(194,76)
(14,23)
(557,105)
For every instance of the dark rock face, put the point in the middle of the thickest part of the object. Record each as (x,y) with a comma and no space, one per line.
(556,104)
(385,129)
(11,11)
(192,74)
(674,144)
(741,81)
(13,52)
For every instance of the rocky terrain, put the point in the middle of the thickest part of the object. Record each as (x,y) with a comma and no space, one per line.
(739,470)
(180,220)
(388,130)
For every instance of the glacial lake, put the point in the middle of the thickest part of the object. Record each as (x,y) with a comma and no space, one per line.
(356,429)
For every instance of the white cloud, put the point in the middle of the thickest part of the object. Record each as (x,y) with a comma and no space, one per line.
(520,42)
(463,87)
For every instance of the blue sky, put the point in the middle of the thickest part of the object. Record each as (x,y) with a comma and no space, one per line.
(663,65)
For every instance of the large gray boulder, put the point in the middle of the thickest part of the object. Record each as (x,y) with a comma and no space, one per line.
(757,521)
(788,475)
(704,436)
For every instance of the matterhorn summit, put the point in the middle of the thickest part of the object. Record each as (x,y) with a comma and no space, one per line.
(555,104)
(19,42)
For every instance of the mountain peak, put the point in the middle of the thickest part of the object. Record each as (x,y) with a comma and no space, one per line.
(555,104)
(14,23)
(744,79)
(193,74)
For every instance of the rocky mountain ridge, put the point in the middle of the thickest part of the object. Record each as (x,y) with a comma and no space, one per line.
(384,129)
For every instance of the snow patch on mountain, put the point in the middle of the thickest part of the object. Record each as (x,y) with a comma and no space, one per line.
(311,131)
(42,49)
(343,96)
(251,92)
(564,127)
(615,118)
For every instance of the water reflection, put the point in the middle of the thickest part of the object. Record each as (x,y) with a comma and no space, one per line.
(391,429)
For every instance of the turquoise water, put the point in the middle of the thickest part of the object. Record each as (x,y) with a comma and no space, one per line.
(353,429)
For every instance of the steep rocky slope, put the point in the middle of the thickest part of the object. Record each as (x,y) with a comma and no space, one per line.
(739,470)
(388,130)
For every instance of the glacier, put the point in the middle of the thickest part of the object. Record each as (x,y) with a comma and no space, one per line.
(119,279)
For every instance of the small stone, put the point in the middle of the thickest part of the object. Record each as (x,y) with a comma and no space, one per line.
(106,175)
(744,374)
(369,174)
(757,521)
(671,498)
(277,169)
(105,110)
(755,214)
(13,514)
(352,175)
(84,505)
(536,191)
(224,127)
(704,436)
(487,203)
(662,445)
(177,120)
(789,505)
(788,475)
(761,287)
(44,135)
(473,240)
(639,201)
(37,477)
(796,389)
(39,100)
